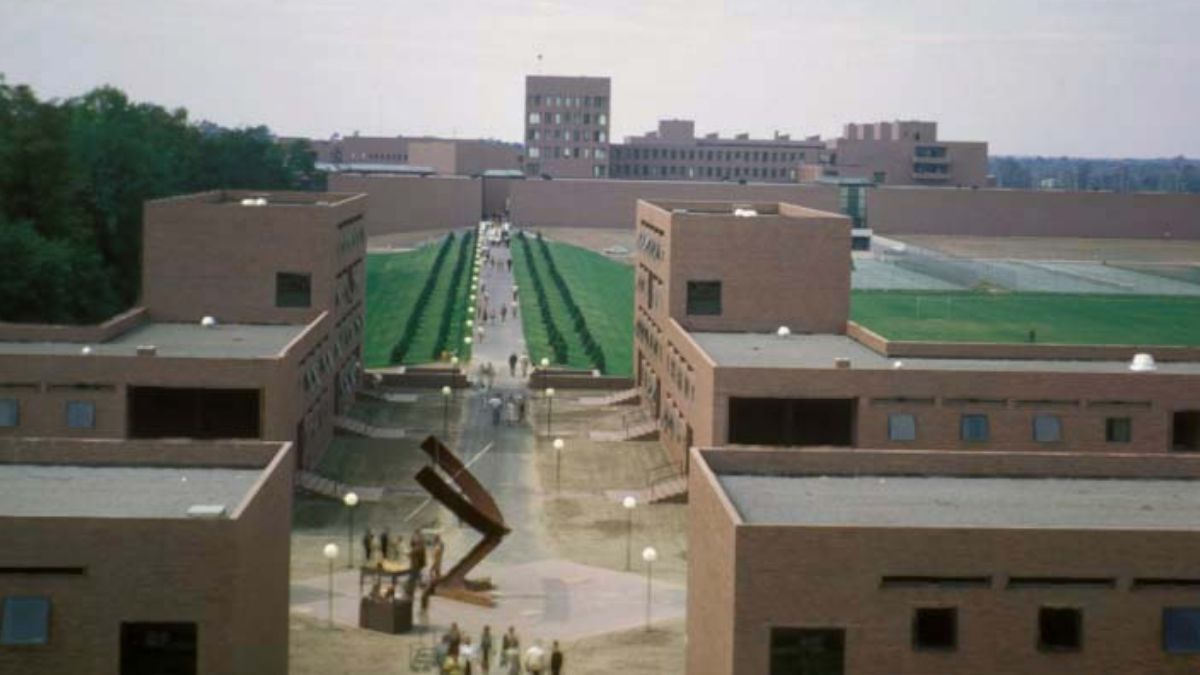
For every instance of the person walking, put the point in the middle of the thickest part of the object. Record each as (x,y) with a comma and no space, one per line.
(485,649)
(524,365)
(479,332)
(508,264)
(416,562)
(515,308)
(384,540)
(512,364)
(367,541)
(509,644)
(503,313)
(556,660)
(520,409)
(497,405)
(439,549)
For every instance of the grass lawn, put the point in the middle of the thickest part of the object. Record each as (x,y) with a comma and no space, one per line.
(1008,317)
(602,288)
(394,281)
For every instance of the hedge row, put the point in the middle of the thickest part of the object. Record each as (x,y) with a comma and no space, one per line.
(590,346)
(445,342)
(414,319)
(558,344)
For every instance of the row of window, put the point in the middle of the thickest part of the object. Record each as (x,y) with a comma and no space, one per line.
(535,169)
(585,135)
(936,151)
(925,167)
(718,172)
(650,244)
(975,427)
(562,152)
(385,156)
(535,100)
(600,119)
(635,153)
(79,414)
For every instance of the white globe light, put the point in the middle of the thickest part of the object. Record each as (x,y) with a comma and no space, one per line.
(331,551)
(649,554)
(558,444)
(454,360)
(783,331)
(86,350)
(446,391)
(545,362)
(549,392)
(208,322)
(351,499)
(468,340)
(629,502)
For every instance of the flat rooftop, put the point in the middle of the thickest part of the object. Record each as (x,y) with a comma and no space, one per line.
(65,491)
(1001,503)
(761,350)
(186,340)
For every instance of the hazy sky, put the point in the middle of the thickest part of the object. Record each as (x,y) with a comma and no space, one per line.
(1078,77)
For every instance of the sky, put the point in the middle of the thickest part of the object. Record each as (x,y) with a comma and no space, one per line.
(1090,78)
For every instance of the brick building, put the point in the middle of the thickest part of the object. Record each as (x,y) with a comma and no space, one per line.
(566,126)
(131,557)
(673,152)
(751,344)
(281,275)
(902,153)
(824,562)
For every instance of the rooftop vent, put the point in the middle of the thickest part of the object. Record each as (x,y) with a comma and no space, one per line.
(745,213)
(1142,363)
(254,201)
(87,349)
(207,511)
(897,364)
(841,363)
(208,322)
(783,331)
(147,350)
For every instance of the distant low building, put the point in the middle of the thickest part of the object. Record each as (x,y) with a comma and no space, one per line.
(902,153)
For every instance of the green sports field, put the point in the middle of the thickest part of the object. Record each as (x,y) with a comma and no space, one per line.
(602,288)
(1060,318)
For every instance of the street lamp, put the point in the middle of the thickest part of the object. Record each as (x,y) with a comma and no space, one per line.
(549,408)
(446,392)
(331,554)
(351,501)
(545,368)
(558,446)
(630,503)
(649,555)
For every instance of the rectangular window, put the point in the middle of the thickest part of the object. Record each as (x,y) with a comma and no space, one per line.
(81,414)
(10,412)
(935,628)
(1047,428)
(973,428)
(1181,630)
(293,289)
(902,427)
(704,298)
(25,621)
(1060,629)
(1118,429)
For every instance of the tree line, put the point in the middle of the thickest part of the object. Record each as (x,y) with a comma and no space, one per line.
(74,174)
(1116,175)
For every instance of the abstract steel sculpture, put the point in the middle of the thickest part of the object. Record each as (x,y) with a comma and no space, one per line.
(475,507)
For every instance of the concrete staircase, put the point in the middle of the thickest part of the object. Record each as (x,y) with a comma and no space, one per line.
(361,428)
(623,397)
(670,490)
(327,487)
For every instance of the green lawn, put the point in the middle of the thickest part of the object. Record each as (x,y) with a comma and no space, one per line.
(1008,317)
(602,288)
(394,281)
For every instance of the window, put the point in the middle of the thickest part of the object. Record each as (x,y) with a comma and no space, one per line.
(935,628)
(1185,430)
(974,428)
(81,414)
(534,118)
(25,621)
(601,119)
(704,298)
(10,412)
(1047,428)
(1118,429)
(535,153)
(1060,629)
(902,427)
(293,290)
(1181,630)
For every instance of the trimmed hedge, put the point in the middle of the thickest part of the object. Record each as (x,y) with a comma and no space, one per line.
(554,336)
(445,342)
(578,321)
(414,319)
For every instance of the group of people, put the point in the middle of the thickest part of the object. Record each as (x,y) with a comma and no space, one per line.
(457,654)
(487,370)
(421,554)
(509,408)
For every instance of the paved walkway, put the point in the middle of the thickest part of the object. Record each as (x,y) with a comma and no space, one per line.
(542,596)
